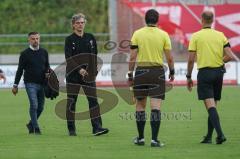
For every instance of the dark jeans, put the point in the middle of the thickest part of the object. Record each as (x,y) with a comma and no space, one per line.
(89,89)
(36,98)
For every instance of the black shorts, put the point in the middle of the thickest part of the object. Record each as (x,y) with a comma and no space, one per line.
(209,83)
(149,81)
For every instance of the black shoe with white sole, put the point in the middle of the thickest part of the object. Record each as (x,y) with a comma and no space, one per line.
(100,131)
(138,141)
(156,143)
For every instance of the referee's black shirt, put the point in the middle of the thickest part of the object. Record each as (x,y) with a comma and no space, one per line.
(35,64)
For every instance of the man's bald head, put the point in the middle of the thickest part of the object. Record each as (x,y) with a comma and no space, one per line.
(207,17)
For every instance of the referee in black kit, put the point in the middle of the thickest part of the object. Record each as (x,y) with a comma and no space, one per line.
(148,44)
(212,50)
(81,56)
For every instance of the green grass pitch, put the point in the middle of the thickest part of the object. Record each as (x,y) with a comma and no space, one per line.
(181,134)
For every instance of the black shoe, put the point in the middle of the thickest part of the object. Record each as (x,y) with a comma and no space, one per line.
(37,131)
(30,128)
(206,140)
(156,143)
(220,140)
(138,141)
(72,133)
(100,131)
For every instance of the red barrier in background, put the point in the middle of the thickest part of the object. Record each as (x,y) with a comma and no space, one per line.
(180,23)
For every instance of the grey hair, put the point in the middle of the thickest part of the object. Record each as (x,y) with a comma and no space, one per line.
(78,16)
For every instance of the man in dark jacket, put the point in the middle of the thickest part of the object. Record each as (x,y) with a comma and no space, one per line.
(81,71)
(34,63)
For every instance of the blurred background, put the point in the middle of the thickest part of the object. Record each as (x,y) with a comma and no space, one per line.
(113,23)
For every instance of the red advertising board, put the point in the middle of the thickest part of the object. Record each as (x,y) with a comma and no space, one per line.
(181,20)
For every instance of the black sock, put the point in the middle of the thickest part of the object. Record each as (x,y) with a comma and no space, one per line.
(155,121)
(140,120)
(210,128)
(213,115)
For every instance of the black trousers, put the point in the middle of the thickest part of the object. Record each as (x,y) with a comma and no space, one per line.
(73,88)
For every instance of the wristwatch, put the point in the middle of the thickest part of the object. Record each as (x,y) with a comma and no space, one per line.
(130,75)
(188,76)
(172,71)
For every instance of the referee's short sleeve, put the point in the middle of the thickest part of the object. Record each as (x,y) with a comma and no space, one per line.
(225,41)
(192,44)
(134,41)
(167,45)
